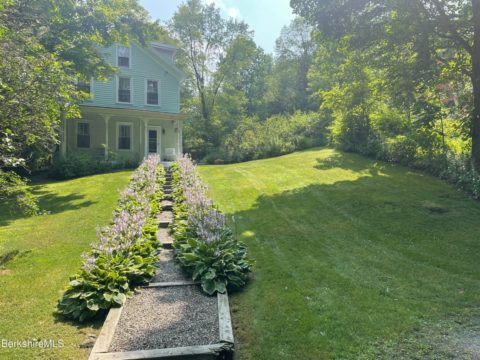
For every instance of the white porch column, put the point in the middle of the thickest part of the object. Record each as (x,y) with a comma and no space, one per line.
(179,139)
(106,118)
(145,137)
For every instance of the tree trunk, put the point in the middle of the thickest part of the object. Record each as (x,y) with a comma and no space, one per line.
(476,85)
(476,114)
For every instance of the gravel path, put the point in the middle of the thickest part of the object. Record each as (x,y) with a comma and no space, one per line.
(167,317)
(169,269)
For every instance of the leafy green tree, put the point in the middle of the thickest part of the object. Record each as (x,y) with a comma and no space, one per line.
(46,45)
(204,37)
(447,32)
(245,69)
(294,53)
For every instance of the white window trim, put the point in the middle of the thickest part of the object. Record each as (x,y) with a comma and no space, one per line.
(76,133)
(131,89)
(159,92)
(129,56)
(118,134)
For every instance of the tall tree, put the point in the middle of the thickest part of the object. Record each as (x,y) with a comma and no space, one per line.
(204,37)
(46,45)
(288,84)
(448,30)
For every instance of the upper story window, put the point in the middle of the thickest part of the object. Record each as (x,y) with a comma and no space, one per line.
(124,91)
(83,135)
(123,56)
(152,92)
(84,86)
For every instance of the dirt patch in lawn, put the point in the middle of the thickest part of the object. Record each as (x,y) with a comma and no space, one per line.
(4,272)
(442,340)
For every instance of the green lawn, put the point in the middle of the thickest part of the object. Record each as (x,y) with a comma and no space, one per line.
(356,259)
(49,248)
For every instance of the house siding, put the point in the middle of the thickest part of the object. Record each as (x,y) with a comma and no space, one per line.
(104,113)
(143,66)
(169,136)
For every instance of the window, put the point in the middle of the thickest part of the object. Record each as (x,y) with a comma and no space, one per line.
(152,92)
(124,137)
(152,141)
(124,91)
(84,86)
(123,56)
(83,135)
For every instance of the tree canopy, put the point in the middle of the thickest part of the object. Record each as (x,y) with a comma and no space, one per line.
(46,46)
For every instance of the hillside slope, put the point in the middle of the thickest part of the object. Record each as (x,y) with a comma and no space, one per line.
(47,252)
(355,259)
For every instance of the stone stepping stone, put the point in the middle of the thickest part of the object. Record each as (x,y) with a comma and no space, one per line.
(165,219)
(166,205)
(163,235)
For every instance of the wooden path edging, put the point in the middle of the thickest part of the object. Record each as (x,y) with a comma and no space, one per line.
(172,283)
(108,330)
(222,350)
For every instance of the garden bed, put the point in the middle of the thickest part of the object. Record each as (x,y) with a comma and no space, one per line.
(170,318)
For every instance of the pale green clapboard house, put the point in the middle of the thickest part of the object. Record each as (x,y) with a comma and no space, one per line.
(134,113)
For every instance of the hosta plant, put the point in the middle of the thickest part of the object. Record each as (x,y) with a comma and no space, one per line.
(125,254)
(216,265)
(204,245)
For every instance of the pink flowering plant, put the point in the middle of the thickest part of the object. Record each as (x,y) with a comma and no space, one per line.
(125,254)
(205,246)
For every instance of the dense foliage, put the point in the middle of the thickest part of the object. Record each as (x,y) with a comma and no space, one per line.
(79,164)
(278,135)
(396,82)
(232,84)
(46,46)
(126,253)
(204,244)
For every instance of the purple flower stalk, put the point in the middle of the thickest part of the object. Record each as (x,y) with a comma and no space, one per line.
(206,220)
(131,214)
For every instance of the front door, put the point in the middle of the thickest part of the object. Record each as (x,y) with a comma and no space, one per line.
(153,140)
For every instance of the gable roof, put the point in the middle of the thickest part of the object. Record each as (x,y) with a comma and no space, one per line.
(169,66)
(170,48)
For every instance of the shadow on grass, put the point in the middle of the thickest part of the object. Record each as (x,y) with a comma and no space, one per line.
(48,201)
(352,162)
(95,323)
(55,204)
(362,259)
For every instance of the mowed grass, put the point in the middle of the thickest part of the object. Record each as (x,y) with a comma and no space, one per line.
(48,251)
(355,259)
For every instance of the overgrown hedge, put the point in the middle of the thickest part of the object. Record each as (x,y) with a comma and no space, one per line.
(204,244)
(278,135)
(126,252)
